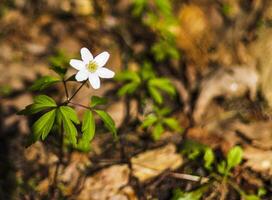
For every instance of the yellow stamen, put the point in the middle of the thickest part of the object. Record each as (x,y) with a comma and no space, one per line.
(92,66)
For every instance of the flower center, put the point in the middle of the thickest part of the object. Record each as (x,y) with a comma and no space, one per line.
(92,66)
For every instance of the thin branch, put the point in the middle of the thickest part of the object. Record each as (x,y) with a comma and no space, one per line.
(54,186)
(178,175)
(79,105)
(189,177)
(65,88)
(83,83)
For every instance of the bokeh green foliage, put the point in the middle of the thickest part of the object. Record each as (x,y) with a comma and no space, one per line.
(158,15)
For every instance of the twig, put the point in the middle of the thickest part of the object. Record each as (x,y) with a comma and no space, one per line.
(179,175)
(59,163)
(80,105)
(65,88)
(189,177)
(76,91)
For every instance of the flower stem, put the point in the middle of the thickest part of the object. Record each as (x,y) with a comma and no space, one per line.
(65,88)
(69,99)
(54,187)
(80,105)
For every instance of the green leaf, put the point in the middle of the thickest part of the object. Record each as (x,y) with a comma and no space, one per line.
(149,121)
(128,76)
(88,130)
(44,82)
(163,49)
(70,113)
(192,149)
(163,84)
(41,102)
(261,192)
(129,88)
(147,71)
(61,71)
(108,121)
(157,131)
(43,125)
(95,100)
(155,94)
(193,195)
(208,158)
(163,112)
(234,157)
(172,124)
(59,63)
(251,197)
(222,168)
(68,116)
(138,7)
(164,6)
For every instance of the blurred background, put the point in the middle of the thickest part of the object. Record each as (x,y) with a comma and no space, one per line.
(217,54)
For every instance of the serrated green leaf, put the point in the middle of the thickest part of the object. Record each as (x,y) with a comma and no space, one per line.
(43,125)
(128,76)
(88,131)
(208,158)
(108,121)
(163,84)
(41,102)
(172,124)
(95,100)
(155,94)
(157,131)
(128,88)
(44,100)
(70,113)
(234,157)
(68,116)
(149,121)
(44,83)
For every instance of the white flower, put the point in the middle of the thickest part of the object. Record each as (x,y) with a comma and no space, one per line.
(92,68)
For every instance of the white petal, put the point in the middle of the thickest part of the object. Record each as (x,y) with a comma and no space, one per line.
(86,55)
(105,72)
(102,58)
(77,64)
(82,75)
(94,80)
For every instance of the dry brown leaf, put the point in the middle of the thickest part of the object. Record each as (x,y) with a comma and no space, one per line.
(193,35)
(38,153)
(118,110)
(264,60)
(107,184)
(228,83)
(153,162)
(260,133)
(258,160)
